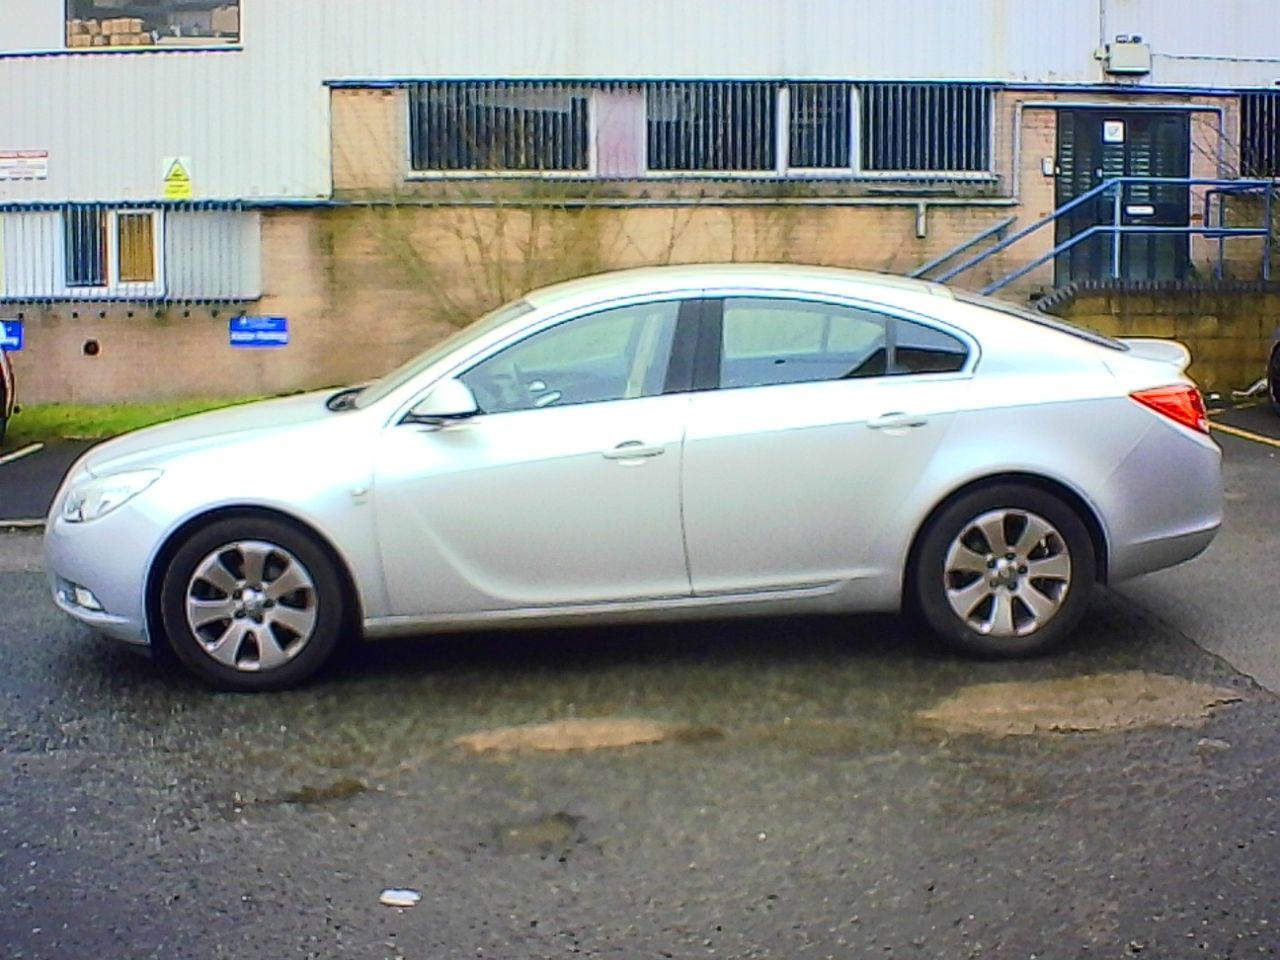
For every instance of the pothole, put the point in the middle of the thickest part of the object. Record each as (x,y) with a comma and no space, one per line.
(561,736)
(545,835)
(1109,701)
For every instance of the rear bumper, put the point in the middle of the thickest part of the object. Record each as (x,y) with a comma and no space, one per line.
(1139,558)
(1165,502)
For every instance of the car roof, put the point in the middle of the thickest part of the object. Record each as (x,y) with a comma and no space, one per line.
(762,276)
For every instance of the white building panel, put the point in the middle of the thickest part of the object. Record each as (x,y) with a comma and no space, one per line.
(32,246)
(213,255)
(253,120)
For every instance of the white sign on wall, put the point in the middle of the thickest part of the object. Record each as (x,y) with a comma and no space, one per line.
(24,164)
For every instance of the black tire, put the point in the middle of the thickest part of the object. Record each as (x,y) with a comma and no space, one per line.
(225,551)
(1001,619)
(1273,380)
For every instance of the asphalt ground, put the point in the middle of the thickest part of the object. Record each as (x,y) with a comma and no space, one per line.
(807,810)
(28,483)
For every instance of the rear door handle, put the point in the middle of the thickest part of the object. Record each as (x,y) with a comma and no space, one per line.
(633,450)
(897,421)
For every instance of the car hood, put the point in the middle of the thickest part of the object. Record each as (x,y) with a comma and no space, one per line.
(153,445)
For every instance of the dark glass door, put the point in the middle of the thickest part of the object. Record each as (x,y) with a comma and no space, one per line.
(1096,144)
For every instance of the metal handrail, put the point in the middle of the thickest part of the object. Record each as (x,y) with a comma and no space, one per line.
(997,229)
(1111,229)
(1116,228)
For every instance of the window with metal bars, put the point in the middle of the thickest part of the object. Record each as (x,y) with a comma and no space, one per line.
(926,127)
(820,126)
(712,126)
(497,126)
(770,128)
(1260,134)
(109,248)
(84,244)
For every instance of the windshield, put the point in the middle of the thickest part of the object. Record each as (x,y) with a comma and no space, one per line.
(407,371)
(1035,316)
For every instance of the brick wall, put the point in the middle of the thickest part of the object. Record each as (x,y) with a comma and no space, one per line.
(1228,327)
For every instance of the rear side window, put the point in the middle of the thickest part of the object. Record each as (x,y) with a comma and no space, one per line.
(770,341)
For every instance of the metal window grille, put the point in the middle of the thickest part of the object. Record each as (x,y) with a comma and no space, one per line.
(926,127)
(711,126)
(157,252)
(84,239)
(820,128)
(494,126)
(1260,134)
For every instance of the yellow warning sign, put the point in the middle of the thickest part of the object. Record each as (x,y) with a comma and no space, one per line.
(177,180)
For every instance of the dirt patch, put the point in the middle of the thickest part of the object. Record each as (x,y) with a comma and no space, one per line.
(1108,701)
(565,735)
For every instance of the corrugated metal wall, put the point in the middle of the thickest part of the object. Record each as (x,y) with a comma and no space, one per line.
(254,121)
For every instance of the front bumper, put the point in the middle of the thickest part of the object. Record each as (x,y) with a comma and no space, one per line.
(98,570)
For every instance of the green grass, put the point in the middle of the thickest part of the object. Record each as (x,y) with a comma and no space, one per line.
(56,421)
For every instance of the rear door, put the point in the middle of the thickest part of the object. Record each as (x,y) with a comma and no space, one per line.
(821,417)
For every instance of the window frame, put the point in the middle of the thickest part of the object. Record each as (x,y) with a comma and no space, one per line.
(210,42)
(854,169)
(112,286)
(711,358)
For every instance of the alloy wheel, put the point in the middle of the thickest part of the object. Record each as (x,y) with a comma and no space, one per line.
(252,605)
(1007,573)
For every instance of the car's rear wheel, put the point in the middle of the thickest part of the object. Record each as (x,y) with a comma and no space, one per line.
(252,603)
(1004,571)
(1273,379)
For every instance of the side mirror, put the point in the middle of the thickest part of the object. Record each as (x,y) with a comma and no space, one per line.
(448,400)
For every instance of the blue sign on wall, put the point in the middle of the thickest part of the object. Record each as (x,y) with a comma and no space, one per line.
(259,331)
(11,335)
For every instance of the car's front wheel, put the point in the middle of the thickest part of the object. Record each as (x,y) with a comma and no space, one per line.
(252,603)
(1004,571)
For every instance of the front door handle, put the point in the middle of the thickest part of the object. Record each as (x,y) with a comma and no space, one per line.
(897,421)
(633,450)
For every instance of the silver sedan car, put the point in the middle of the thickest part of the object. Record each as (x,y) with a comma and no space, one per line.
(676,442)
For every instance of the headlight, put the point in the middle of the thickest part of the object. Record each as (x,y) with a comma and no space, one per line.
(96,498)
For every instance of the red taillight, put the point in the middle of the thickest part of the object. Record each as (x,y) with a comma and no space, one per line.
(1181,404)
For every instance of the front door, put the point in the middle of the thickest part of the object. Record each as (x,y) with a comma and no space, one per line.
(1096,144)
(564,490)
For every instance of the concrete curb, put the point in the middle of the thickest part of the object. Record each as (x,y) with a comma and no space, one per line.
(11,526)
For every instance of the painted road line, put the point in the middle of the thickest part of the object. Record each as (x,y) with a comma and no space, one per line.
(1246,435)
(21,452)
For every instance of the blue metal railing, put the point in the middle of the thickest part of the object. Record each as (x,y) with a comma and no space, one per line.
(995,230)
(1113,189)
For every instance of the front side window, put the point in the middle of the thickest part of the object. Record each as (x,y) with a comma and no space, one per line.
(768,342)
(111,24)
(617,354)
(499,126)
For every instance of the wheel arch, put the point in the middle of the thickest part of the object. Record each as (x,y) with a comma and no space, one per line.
(173,542)
(1081,507)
